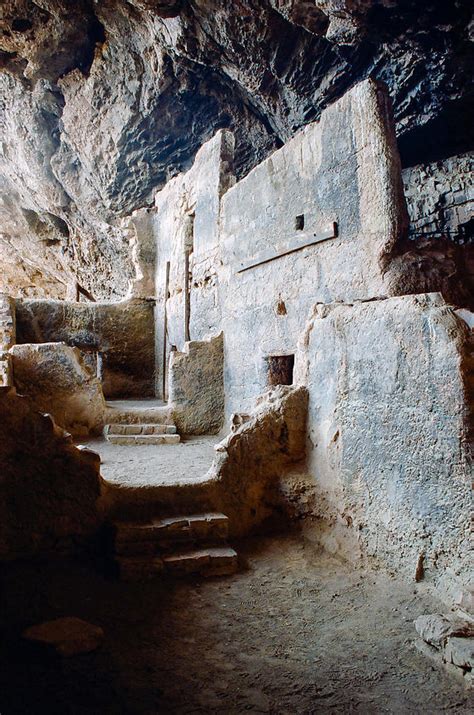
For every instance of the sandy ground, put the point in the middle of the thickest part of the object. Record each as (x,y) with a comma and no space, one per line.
(294,632)
(152,465)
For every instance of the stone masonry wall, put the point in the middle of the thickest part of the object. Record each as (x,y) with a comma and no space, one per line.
(186,221)
(123,333)
(343,169)
(197,386)
(440,199)
(388,429)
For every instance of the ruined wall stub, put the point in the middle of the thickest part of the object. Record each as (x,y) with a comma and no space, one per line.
(186,229)
(343,169)
(196,389)
(388,426)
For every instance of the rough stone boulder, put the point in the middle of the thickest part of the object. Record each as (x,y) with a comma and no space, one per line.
(57,381)
(449,638)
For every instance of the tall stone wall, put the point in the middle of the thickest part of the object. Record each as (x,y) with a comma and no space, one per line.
(122,333)
(343,169)
(186,231)
(440,199)
(388,428)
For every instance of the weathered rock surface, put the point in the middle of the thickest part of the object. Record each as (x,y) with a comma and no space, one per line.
(57,381)
(69,635)
(451,639)
(49,489)
(102,102)
(7,338)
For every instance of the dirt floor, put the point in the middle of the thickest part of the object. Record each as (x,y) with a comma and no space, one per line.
(295,631)
(153,465)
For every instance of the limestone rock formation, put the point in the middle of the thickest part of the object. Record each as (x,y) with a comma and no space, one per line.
(103,101)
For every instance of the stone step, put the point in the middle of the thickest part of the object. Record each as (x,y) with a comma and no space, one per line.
(139,568)
(214,561)
(119,412)
(134,429)
(142,439)
(163,534)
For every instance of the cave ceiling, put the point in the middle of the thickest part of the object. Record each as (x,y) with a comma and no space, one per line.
(102,102)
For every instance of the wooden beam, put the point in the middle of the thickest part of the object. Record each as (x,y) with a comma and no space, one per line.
(296,244)
(165,334)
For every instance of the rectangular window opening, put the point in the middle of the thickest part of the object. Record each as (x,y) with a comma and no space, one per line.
(299,222)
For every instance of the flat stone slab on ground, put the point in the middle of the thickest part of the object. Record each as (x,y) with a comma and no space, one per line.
(436,628)
(69,635)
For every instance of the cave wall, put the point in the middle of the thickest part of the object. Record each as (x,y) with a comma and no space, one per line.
(440,199)
(105,102)
(123,334)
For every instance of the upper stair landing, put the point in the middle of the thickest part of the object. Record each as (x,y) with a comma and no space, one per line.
(139,422)
(144,412)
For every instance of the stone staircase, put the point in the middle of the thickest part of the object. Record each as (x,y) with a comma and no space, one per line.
(140,423)
(139,434)
(178,546)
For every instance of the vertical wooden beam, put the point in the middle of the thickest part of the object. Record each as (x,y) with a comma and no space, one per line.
(187,297)
(165,333)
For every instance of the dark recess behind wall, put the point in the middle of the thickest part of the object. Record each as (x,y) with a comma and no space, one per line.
(450,133)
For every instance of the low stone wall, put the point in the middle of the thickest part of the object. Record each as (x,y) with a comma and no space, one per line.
(122,333)
(7,338)
(196,385)
(56,380)
(252,461)
(49,489)
(388,430)
(440,199)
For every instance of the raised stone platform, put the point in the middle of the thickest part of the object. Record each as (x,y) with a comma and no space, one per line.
(124,466)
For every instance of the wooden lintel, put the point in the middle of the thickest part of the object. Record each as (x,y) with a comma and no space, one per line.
(296,244)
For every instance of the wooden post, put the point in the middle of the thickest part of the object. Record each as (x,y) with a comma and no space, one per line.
(165,332)
(187,297)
